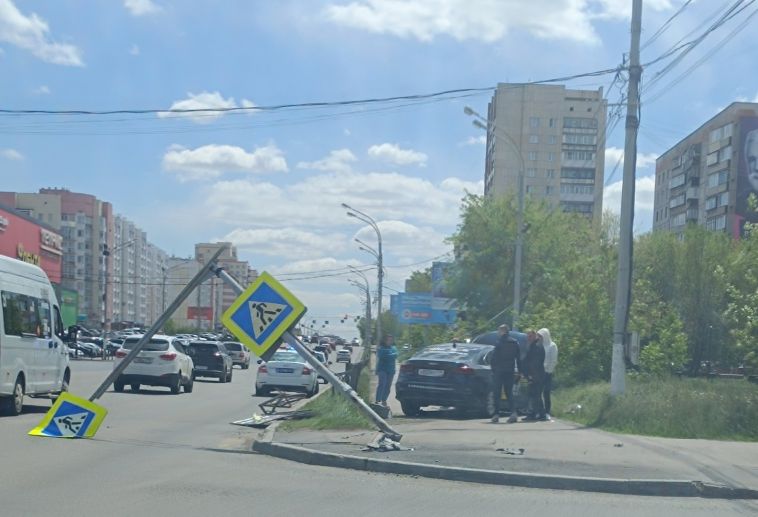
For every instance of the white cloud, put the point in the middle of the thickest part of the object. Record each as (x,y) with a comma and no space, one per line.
(42,90)
(32,33)
(475,140)
(614,155)
(622,9)
(392,153)
(644,198)
(204,101)
(404,240)
(210,161)
(307,266)
(141,7)
(134,50)
(316,201)
(11,154)
(337,161)
(286,242)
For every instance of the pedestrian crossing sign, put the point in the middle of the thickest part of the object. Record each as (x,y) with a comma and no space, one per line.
(262,313)
(71,417)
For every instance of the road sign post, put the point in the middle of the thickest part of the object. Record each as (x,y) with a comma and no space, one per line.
(263,327)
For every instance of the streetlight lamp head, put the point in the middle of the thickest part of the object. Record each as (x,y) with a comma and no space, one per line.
(479,124)
(467,110)
(345,205)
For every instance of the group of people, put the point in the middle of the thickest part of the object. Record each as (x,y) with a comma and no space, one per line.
(537,366)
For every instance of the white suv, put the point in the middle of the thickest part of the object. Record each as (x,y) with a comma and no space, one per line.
(162,362)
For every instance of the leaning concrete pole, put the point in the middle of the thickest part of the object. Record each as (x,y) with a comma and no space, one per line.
(624,278)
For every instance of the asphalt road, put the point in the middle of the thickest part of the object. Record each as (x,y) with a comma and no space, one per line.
(163,454)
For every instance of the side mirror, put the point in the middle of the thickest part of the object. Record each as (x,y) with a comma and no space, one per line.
(259,361)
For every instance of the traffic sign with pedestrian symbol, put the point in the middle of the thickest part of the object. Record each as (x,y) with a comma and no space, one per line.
(71,417)
(262,313)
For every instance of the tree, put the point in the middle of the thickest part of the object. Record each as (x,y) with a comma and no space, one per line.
(419,282)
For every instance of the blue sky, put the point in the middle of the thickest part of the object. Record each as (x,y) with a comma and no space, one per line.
(272,182)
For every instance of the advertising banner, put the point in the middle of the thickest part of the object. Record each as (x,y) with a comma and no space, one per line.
(416,308)
(747,172)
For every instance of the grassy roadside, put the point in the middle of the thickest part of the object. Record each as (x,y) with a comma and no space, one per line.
(332,411)
(669,407)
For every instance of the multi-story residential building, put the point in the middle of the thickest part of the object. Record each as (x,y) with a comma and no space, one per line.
(107,260)
(176,274)
(707,177)
(557,136)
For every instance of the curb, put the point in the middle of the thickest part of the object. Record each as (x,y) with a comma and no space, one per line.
(647,487)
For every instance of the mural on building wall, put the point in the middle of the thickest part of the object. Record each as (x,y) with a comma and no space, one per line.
(747,175)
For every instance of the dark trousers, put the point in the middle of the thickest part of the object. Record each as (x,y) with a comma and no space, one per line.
(535,397)
(500,381)
(546,389)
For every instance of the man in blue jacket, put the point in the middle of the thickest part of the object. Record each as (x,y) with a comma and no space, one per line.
(505,358)
(386,356)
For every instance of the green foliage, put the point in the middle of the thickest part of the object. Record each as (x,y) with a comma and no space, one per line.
(419,282)
(666,406)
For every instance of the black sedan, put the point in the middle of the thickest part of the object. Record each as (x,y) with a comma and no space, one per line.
(211,359)
(450,374)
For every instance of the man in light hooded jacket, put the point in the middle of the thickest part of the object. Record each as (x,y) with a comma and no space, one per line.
(551,361)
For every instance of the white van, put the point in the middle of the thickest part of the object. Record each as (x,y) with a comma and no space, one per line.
(33,356)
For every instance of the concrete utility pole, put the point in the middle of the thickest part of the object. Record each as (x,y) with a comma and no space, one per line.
(624,278)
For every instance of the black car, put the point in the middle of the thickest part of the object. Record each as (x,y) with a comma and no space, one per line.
(211,360)
(450,374)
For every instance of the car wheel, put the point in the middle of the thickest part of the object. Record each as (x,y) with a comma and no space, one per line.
(263,391)
(64,385)
(118,386)
(15,404)
(222,377)
(246,366)
(410,408)
(229,377)
(176,387)
(190,384)
(135,387)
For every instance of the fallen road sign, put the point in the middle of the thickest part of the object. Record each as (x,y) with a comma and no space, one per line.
(71,417)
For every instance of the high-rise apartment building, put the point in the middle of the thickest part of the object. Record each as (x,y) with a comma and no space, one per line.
(707,177)
(557,136)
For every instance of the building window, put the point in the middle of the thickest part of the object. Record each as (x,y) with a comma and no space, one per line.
(724,199)
(551,122)
(579,139)
(579,155)
(550,156)
(677,181)
(550,174)
(549,190)
(552,139)
(711,203)
(529,189)
(574,207)
(532,156)
(531,172)
(716,223)
(725,153)
(580,122)
(534,139)
(718,178)
(676,201)
(712,158)
(575,173)
(534,122)
(721,133)
(678,220)
(569,188)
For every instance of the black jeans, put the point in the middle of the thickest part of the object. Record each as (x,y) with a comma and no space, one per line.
(500,381)
(535,397)
(546,389)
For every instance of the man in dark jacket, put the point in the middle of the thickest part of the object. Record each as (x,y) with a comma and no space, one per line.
(534,369)
(505,358)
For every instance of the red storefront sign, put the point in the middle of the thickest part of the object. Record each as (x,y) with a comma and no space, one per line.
(23,239)
(200,313)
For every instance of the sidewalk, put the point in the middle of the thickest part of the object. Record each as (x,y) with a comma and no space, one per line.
(556,454)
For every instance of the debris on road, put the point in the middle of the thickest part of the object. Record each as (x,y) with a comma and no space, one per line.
(512,451)
(263,421)
(385,444)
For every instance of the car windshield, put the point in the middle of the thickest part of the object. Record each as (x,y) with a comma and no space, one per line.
(154,345)
(204,348)
(448,353)
(235,347)
(287,356)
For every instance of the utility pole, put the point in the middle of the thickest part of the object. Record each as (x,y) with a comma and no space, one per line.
(624,278)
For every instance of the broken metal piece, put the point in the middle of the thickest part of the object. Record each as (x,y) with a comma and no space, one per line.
(512,451)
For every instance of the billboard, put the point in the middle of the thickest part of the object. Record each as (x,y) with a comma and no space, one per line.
(418,309)
(747,172)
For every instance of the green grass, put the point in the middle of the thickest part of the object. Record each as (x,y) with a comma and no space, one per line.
(332,411)
(670,407)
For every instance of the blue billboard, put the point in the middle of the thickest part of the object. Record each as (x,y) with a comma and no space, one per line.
(419,309)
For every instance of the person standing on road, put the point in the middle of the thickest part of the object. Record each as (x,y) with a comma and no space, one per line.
(386,356)
(504,360)
(551,361)
(534,368)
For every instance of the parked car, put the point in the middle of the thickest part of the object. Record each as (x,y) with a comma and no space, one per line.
(450,374)
(162,362)
(323,348)
(211,360)
(344,355)
(286,371)
(239,353)
(89,349)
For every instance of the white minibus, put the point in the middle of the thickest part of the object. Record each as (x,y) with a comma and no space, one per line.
(33,356)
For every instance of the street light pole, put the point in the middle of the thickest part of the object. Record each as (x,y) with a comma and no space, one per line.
(367,291)
(352,212)
(485,124)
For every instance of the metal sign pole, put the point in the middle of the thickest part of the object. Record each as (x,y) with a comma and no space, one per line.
(207,270)
(343,388)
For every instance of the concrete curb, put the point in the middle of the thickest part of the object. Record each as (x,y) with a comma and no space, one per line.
(648,487)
